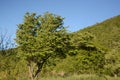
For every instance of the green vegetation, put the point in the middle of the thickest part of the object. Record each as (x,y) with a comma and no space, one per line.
(47,51)
(81,77)
(107,34)
(38,44)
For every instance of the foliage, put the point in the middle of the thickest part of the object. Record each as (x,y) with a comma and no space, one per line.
(107,34)
(45,46)
(80,77)
(8,60)
(112,66)
(40,38)
(85,57)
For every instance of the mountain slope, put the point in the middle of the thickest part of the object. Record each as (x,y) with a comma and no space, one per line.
(107,32)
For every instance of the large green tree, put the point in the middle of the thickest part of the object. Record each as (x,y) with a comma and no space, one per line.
(40,38)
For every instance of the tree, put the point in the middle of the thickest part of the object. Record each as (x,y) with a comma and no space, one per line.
(90,55)
(7,57)
(40,38)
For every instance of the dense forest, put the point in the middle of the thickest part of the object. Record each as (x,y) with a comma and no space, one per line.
(45,48)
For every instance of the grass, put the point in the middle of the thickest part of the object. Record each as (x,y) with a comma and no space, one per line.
(73,77)
(81,77)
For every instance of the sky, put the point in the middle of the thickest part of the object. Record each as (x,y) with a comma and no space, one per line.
(78,14)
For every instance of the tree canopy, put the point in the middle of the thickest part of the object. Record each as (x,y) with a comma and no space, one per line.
(41,37)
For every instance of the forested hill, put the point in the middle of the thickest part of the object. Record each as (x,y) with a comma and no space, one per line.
(106,32)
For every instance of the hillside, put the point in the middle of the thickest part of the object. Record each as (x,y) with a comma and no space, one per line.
(106,32)
(94,50)
(106,36)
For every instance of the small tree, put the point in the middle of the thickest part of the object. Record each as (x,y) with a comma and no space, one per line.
(40,38)
(7,56)
(90,56)
(5,43)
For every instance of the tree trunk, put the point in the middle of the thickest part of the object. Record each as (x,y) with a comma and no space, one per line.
(39,66)
(33,74)
(30,71)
